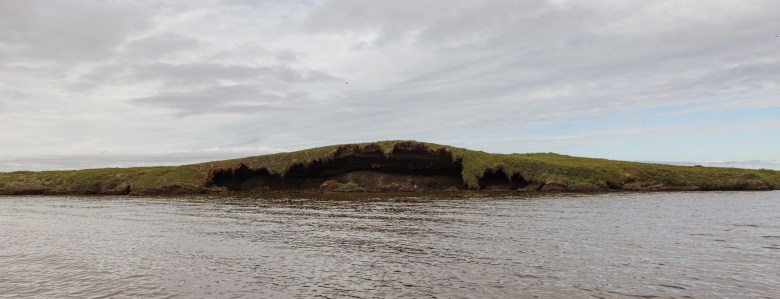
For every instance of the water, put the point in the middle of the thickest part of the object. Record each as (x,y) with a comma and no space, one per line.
(701,245)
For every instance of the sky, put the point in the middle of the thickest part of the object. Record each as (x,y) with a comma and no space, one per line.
(108,83)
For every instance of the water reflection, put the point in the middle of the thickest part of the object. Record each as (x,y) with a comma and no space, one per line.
(337,245)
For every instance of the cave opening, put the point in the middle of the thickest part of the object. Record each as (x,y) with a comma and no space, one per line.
(497,179)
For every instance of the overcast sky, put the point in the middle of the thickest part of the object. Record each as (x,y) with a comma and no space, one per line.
(93,83)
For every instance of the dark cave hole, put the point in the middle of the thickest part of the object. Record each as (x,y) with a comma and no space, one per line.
(496,179)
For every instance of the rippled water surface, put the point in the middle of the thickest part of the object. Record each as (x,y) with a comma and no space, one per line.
(701,245)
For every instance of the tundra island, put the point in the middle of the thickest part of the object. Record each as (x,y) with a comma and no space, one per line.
(390,166)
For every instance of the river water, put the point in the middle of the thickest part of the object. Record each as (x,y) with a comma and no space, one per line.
(700,245)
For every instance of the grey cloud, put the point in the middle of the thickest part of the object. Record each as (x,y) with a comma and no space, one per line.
(465,72)
(630,70)
(198,74)
(207,72)
(239,99)
(289,56)
(160,45)
(191,89)
(84,161)
(542,33)
(200,88)
(448,24)
(65,31)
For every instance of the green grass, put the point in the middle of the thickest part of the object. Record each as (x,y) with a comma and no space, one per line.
(186,178)
(537,167)
(349,186)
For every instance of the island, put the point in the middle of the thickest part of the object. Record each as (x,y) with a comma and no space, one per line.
(390,166)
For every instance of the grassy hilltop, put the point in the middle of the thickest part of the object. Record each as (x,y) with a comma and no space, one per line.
(403,165)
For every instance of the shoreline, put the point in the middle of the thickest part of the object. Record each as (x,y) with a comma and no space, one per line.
(391,166)
(228,194)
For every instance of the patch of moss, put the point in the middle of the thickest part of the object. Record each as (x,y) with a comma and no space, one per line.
(349,186)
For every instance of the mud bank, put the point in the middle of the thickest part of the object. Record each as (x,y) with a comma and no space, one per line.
(407,167)
(390,166)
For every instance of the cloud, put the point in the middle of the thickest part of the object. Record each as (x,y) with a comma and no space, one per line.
(197,73)
(509,76)
(65,31)
(160,45)
(239,99)
(208,88)
(82,161)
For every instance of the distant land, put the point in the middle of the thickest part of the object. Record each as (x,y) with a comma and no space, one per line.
(390,166)
(751,164)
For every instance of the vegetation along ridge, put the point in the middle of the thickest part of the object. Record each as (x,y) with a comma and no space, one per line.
(391,166)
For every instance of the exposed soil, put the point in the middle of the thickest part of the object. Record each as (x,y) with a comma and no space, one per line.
(498,180)
(407,167)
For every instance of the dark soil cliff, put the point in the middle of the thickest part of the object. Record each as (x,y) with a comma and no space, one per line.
(391,166)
